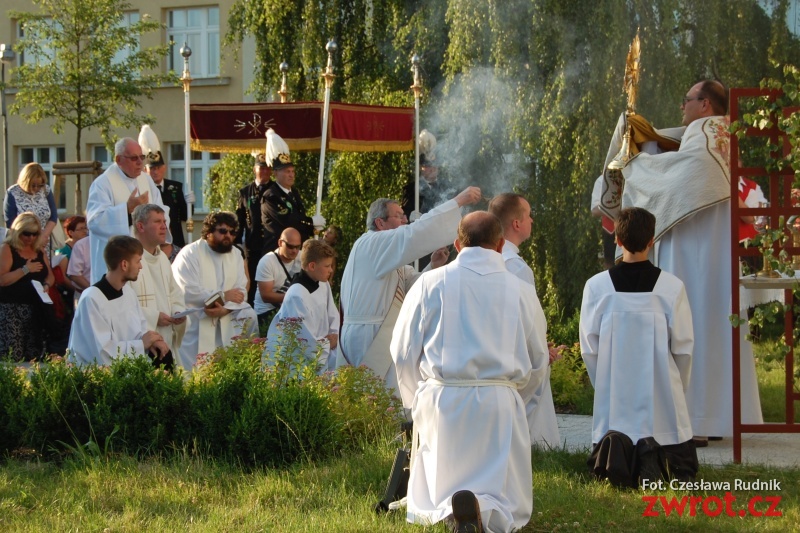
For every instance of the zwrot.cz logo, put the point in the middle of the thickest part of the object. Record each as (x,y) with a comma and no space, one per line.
(758,505)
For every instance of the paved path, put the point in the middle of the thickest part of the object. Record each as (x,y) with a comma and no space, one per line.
(771,449)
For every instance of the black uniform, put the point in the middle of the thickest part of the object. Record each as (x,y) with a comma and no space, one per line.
(248,213)
(172,197)
(279,211)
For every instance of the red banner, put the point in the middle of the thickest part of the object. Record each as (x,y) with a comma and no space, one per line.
(242,127)
(364,128)
(351,127)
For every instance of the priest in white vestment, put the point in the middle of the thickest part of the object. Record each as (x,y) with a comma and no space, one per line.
(514,212)
(471,352)
(689,193)
(310,299)
(377,276)
(159,295)
(113,197)
(108,322)
(203,269)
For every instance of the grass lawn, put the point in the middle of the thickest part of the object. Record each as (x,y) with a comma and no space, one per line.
(185,493)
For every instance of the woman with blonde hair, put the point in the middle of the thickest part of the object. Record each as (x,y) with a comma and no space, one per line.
(23,314)
(32,194)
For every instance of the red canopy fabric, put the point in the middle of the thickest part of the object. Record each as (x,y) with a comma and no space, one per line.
(351,127)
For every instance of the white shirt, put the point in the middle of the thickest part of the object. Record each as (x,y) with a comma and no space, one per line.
(269,269)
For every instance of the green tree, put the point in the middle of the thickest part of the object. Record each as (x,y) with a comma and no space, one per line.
(84,67)
(538,80)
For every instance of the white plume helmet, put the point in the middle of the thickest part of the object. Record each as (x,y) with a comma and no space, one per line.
(427,145)
(277,151)
(148,140)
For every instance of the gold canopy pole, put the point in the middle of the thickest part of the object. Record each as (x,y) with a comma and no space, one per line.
(186,78)
(329,77)
(284,92)
(417,88)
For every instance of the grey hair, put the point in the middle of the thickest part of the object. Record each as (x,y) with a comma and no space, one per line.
(121,145)
(378,209)
(142,212)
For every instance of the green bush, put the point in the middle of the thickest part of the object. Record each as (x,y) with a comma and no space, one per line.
(278,426)
(12,386)
(572,390)
(228,408)
(361,404)
(144,406)
(55,406)
(216,391)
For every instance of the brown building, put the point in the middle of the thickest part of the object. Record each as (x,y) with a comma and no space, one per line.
(218,76)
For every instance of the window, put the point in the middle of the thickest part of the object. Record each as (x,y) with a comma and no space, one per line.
(46,55)
(200,167)
(128,19)
(46,156)
(100,153)
(200,28)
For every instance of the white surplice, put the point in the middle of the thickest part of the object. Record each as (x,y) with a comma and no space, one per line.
(320,318)
(471,352)
(107,211)
(637,347)
(159,293)
(376,263)
(103,329)
(542,421)
(201,272)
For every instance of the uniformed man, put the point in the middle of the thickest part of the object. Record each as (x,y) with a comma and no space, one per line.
(248,212)
(282,207)
(171,191)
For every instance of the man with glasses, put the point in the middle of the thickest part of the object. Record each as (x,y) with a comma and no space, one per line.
(274,273)
(378,275)
(112,198)
(210,271)
(688,191)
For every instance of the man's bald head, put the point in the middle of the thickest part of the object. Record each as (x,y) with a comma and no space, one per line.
(480,229)
(289,244)
(290,234)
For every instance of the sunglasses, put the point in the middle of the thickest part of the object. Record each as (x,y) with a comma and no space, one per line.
(225,231)
(135,158)
(30,233)
(292,246)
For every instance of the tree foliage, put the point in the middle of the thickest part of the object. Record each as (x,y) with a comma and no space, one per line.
(84,67)
(535,83)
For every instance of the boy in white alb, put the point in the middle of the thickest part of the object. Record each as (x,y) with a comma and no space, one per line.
(310,298)
(636,339)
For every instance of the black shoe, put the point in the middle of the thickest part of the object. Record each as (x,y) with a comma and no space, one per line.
(714,438)
(700,442)
(466,513)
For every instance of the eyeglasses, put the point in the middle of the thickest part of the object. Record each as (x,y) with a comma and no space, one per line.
(37,186)
(292,246)
(225,231)
(135,158)
(400,216)
(687,99)
(30,233)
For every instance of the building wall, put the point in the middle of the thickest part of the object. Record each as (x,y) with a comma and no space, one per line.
(167,104)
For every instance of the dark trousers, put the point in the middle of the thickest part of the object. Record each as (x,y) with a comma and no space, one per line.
(253,257)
